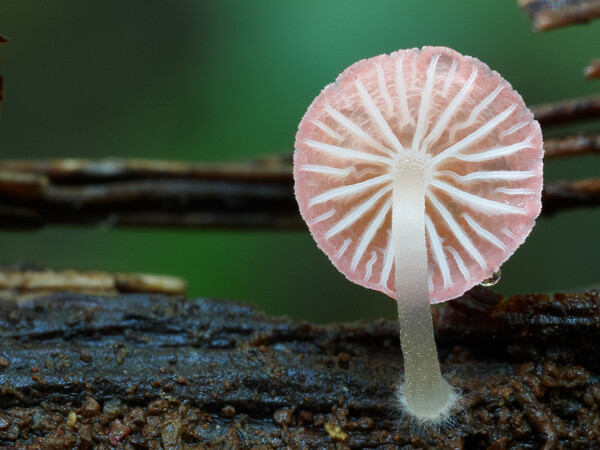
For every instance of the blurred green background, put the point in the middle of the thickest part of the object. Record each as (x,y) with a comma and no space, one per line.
(230,79)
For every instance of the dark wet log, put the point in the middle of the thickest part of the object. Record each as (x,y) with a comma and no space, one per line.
(150,370)
(593,70)
(255,195)
(548,15)
(567,111)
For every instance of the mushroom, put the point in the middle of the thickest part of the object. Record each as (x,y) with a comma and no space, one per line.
(419,173)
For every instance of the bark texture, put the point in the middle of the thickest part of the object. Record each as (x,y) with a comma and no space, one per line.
(151,371)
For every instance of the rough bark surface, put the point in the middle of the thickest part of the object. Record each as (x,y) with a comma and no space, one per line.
(156,371)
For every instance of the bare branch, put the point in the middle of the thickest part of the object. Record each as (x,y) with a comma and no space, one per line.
(571,146)
(563,195)
(146,193)
(3,40)
(256,194)
(593,70)
(548,15)
(567,110)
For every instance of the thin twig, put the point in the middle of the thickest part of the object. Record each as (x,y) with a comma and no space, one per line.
(563,195)
(71,171)
(567,110)
(571,146)
(550,14)
(3,40)
(593,70)
(255,195)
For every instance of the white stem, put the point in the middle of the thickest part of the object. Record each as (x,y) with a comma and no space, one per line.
(426,394)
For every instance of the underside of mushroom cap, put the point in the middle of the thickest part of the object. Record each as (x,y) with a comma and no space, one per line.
(451,114)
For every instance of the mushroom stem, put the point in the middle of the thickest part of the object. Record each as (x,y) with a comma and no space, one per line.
(425,394)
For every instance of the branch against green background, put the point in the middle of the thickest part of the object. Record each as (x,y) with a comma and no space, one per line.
(3,40)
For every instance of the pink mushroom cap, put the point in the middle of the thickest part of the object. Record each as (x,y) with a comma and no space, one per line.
(485,151)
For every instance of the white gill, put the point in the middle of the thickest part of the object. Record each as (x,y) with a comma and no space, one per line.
(377,118)
(388,261)
(351,189)
(476,202)
(354,215)
(423,118)
(438,252)
(497,152)
(324,216)
(449,112)
(475,113)
(483,233)
(456,229)
(345,153)
(343,248)
(369,233)
(474,137)
(401,92)
(356,131)
(335,135)
(460,264)
(385,94)
(369,266)
(492,176)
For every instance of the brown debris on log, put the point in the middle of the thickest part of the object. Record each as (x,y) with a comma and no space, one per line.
(567,110)
(550,14)
(255,195)
(593,70)
(25,281)
(153,371)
